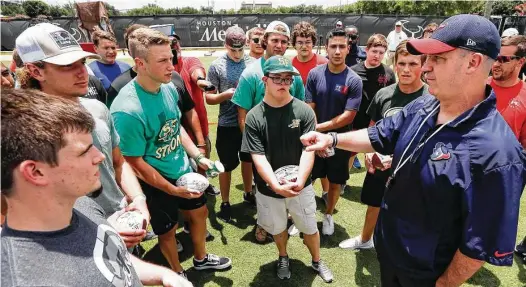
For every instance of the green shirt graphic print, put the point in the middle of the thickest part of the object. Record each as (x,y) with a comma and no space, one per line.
(149,126)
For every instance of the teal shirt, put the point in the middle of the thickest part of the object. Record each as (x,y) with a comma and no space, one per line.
(149,126)
(251,89)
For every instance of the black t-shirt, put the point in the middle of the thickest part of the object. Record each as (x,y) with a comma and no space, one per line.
(276,132)
(387,102)
(96,90)
(185,102)
(373,80)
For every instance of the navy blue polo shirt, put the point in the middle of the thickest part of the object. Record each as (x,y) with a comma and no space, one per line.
(460,191)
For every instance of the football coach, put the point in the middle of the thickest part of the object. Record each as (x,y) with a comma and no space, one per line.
(452,201)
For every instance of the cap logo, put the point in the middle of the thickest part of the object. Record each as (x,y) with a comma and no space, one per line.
(283,61)
(280,28)
(63,39)
(471,43)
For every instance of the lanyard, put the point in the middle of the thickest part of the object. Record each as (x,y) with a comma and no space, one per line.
(402,162)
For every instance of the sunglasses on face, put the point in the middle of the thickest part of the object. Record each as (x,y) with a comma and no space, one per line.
(353,37)
(5,73)
(506,59)
(255,40)
(279,80)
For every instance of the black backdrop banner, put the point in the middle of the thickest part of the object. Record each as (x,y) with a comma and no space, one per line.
(209,30)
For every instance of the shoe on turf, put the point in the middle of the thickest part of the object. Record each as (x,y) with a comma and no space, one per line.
(249,197)
(325,197)
(323,270)
(283,268)
(212,261)
(342,190)
(149,236)
(225,212)
(293,230)
(183,274)
(212,190)
(356,243)
(179,247)
(356,164)
(186,229)
(328,225)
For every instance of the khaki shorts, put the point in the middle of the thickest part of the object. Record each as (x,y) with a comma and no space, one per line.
(272,212)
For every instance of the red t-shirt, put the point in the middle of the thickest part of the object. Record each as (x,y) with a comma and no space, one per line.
(511,103)
(185,68)
(305,67)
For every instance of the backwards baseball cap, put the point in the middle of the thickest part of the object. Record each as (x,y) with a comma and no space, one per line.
(278,64)
(469,32)
(235,37)
(278,27)
(49,43)
(510,32)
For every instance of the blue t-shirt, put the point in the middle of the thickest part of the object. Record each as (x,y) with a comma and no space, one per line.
(460,191)
(108,73)
(333,93)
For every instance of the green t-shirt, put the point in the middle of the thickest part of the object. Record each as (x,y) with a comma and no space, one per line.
(390,100)
(149,126)
(276,132)
(251,89)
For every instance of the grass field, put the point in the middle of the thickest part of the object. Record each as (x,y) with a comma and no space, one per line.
(254,264)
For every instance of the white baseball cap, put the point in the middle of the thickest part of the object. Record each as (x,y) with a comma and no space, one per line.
(510,32)
(278,27)
(49,43)
(398,23)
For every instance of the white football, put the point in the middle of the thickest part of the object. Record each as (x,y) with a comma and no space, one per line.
(287,173)
(131,220)
(193,181)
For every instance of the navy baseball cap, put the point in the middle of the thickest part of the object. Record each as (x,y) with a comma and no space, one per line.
(469,32)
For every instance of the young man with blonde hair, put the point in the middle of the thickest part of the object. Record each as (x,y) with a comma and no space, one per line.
(254,40)
(155,144)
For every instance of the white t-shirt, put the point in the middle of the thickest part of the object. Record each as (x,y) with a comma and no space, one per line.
(393,39)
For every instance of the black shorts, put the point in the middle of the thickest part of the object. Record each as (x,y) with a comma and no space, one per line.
(164,208)
(374,187)
(228,146)
(335,168)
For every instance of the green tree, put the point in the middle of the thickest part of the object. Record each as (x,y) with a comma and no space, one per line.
(504,7)
(11,9)
(57,11)
(188,10)
(112,11)
(206,10)
(149,9)
(33,8)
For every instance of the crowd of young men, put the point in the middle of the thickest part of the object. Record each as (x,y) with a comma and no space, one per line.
(435,149)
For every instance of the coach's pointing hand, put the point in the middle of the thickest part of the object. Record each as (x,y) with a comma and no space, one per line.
(315,141)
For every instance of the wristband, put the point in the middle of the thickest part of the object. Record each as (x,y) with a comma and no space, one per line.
(201,145)
(200,78)
(334,139)
(199,157)
(139,196)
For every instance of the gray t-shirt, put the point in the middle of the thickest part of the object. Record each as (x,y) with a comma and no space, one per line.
(224,73)
(89,252)
(105,138)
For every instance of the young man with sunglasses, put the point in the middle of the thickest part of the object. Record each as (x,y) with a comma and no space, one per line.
(334,92)
(254,39)
(251,89)
(356,53)
(303,40)
(224,73)
(511,95)
(273,129)
(8,81)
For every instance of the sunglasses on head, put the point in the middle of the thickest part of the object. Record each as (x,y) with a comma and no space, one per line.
(353,37)
(506,59)
(255,40)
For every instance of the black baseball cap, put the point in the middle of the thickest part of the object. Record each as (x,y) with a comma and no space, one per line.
(469,32)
